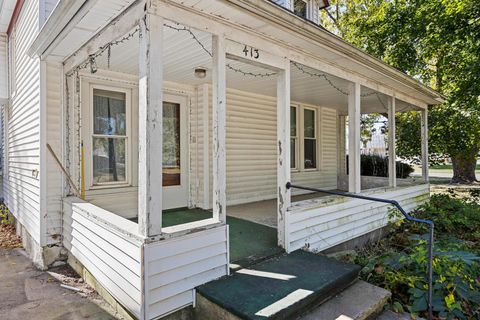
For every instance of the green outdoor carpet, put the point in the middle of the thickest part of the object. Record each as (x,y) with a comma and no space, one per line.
(249,241)
(309,277)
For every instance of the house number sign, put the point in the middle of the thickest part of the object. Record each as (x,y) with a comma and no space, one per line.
(252,52)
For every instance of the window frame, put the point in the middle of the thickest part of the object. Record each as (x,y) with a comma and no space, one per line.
(308,9)
(88,161)
(300,145)
(296,137)
(315,137)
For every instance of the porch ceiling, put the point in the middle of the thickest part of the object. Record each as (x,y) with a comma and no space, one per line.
(182,54)
(73,23)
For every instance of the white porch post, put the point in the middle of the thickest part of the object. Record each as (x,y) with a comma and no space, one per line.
(283,153)
(150,115)
(392,169)
(354,182)
(424,114)
(219,120)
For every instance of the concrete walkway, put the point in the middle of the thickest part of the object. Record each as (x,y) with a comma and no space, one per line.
(26,293)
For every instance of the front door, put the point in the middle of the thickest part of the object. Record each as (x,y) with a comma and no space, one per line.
(175,152)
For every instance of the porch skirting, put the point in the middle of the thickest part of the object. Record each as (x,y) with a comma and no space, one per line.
(322,223)
(149,278)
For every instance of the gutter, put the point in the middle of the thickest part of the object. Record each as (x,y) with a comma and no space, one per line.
(59,19)
(292,23)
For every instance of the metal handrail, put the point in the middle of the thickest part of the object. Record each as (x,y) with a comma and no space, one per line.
(405,214)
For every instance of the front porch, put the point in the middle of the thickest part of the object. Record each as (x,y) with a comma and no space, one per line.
(182,158)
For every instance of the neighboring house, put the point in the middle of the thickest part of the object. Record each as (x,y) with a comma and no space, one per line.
(244,96)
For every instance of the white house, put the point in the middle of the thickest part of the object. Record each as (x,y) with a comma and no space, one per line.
(237,97)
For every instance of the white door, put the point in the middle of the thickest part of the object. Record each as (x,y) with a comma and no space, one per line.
(175,152)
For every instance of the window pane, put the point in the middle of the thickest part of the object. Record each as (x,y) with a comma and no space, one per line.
(108,160)
(293,121)
(309,123)
(171,144)
(310,153)
(292,153)
(300,8)
(109,112)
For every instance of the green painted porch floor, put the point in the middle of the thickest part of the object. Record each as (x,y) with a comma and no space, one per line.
(249,242)
(282,287)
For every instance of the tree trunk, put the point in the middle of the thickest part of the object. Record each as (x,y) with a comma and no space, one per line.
(464,167)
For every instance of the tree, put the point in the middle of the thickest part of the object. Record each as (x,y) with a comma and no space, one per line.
(436,42)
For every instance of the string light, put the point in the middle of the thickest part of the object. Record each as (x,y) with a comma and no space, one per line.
(229,66)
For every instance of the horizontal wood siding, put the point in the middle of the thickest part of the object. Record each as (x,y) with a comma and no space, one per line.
(21,181)
(3,67)
(174,267)
(322,226)
(53,218)
(111,256)
(251,149)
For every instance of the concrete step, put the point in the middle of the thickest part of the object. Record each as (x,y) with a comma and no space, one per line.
(360,301)
(279,288)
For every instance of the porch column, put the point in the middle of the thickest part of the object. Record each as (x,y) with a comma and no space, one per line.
(354,178)
(283,153)
(219,119)
(392,168)
(150,115)
(424,114)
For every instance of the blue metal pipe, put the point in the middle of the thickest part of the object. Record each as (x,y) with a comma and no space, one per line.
(406,215)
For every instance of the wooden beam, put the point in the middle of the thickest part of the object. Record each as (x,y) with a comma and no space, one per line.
(283,155)
(424,114)
(392,169)
(150,116)
(124,23)
(219,128)
(354,177)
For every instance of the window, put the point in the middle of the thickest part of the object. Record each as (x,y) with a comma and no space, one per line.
(300,8)
(309,139)
(303,138)
(109,137)
(293,137)
(171,144)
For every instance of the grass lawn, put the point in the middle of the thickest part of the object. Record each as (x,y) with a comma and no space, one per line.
(449,167)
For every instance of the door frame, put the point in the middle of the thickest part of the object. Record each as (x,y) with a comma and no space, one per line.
(183,100)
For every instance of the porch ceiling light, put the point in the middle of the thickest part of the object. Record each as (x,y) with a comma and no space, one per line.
(93,64)
(200,72)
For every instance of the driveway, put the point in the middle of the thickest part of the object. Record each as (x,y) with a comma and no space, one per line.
(27,293)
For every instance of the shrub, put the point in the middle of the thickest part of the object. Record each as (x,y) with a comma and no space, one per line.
(399,261)
(377,166)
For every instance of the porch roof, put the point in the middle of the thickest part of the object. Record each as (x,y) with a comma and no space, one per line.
(74,23)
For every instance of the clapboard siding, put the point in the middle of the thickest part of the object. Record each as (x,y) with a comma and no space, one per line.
(109,254)
(173,268)
(251,135)
(21,181)
(334,220)
(3,67)
(53,216)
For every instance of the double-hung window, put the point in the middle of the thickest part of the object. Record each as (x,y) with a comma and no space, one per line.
(303,138)
(309,139)
(109,137)
(293,138)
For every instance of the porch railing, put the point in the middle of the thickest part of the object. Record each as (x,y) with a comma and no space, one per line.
(405,214)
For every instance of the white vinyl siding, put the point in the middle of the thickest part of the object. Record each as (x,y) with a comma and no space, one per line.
(174,267)
(3,68)
(251,149)
(111,256)
(22,184)
(337,219)
(54,182)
